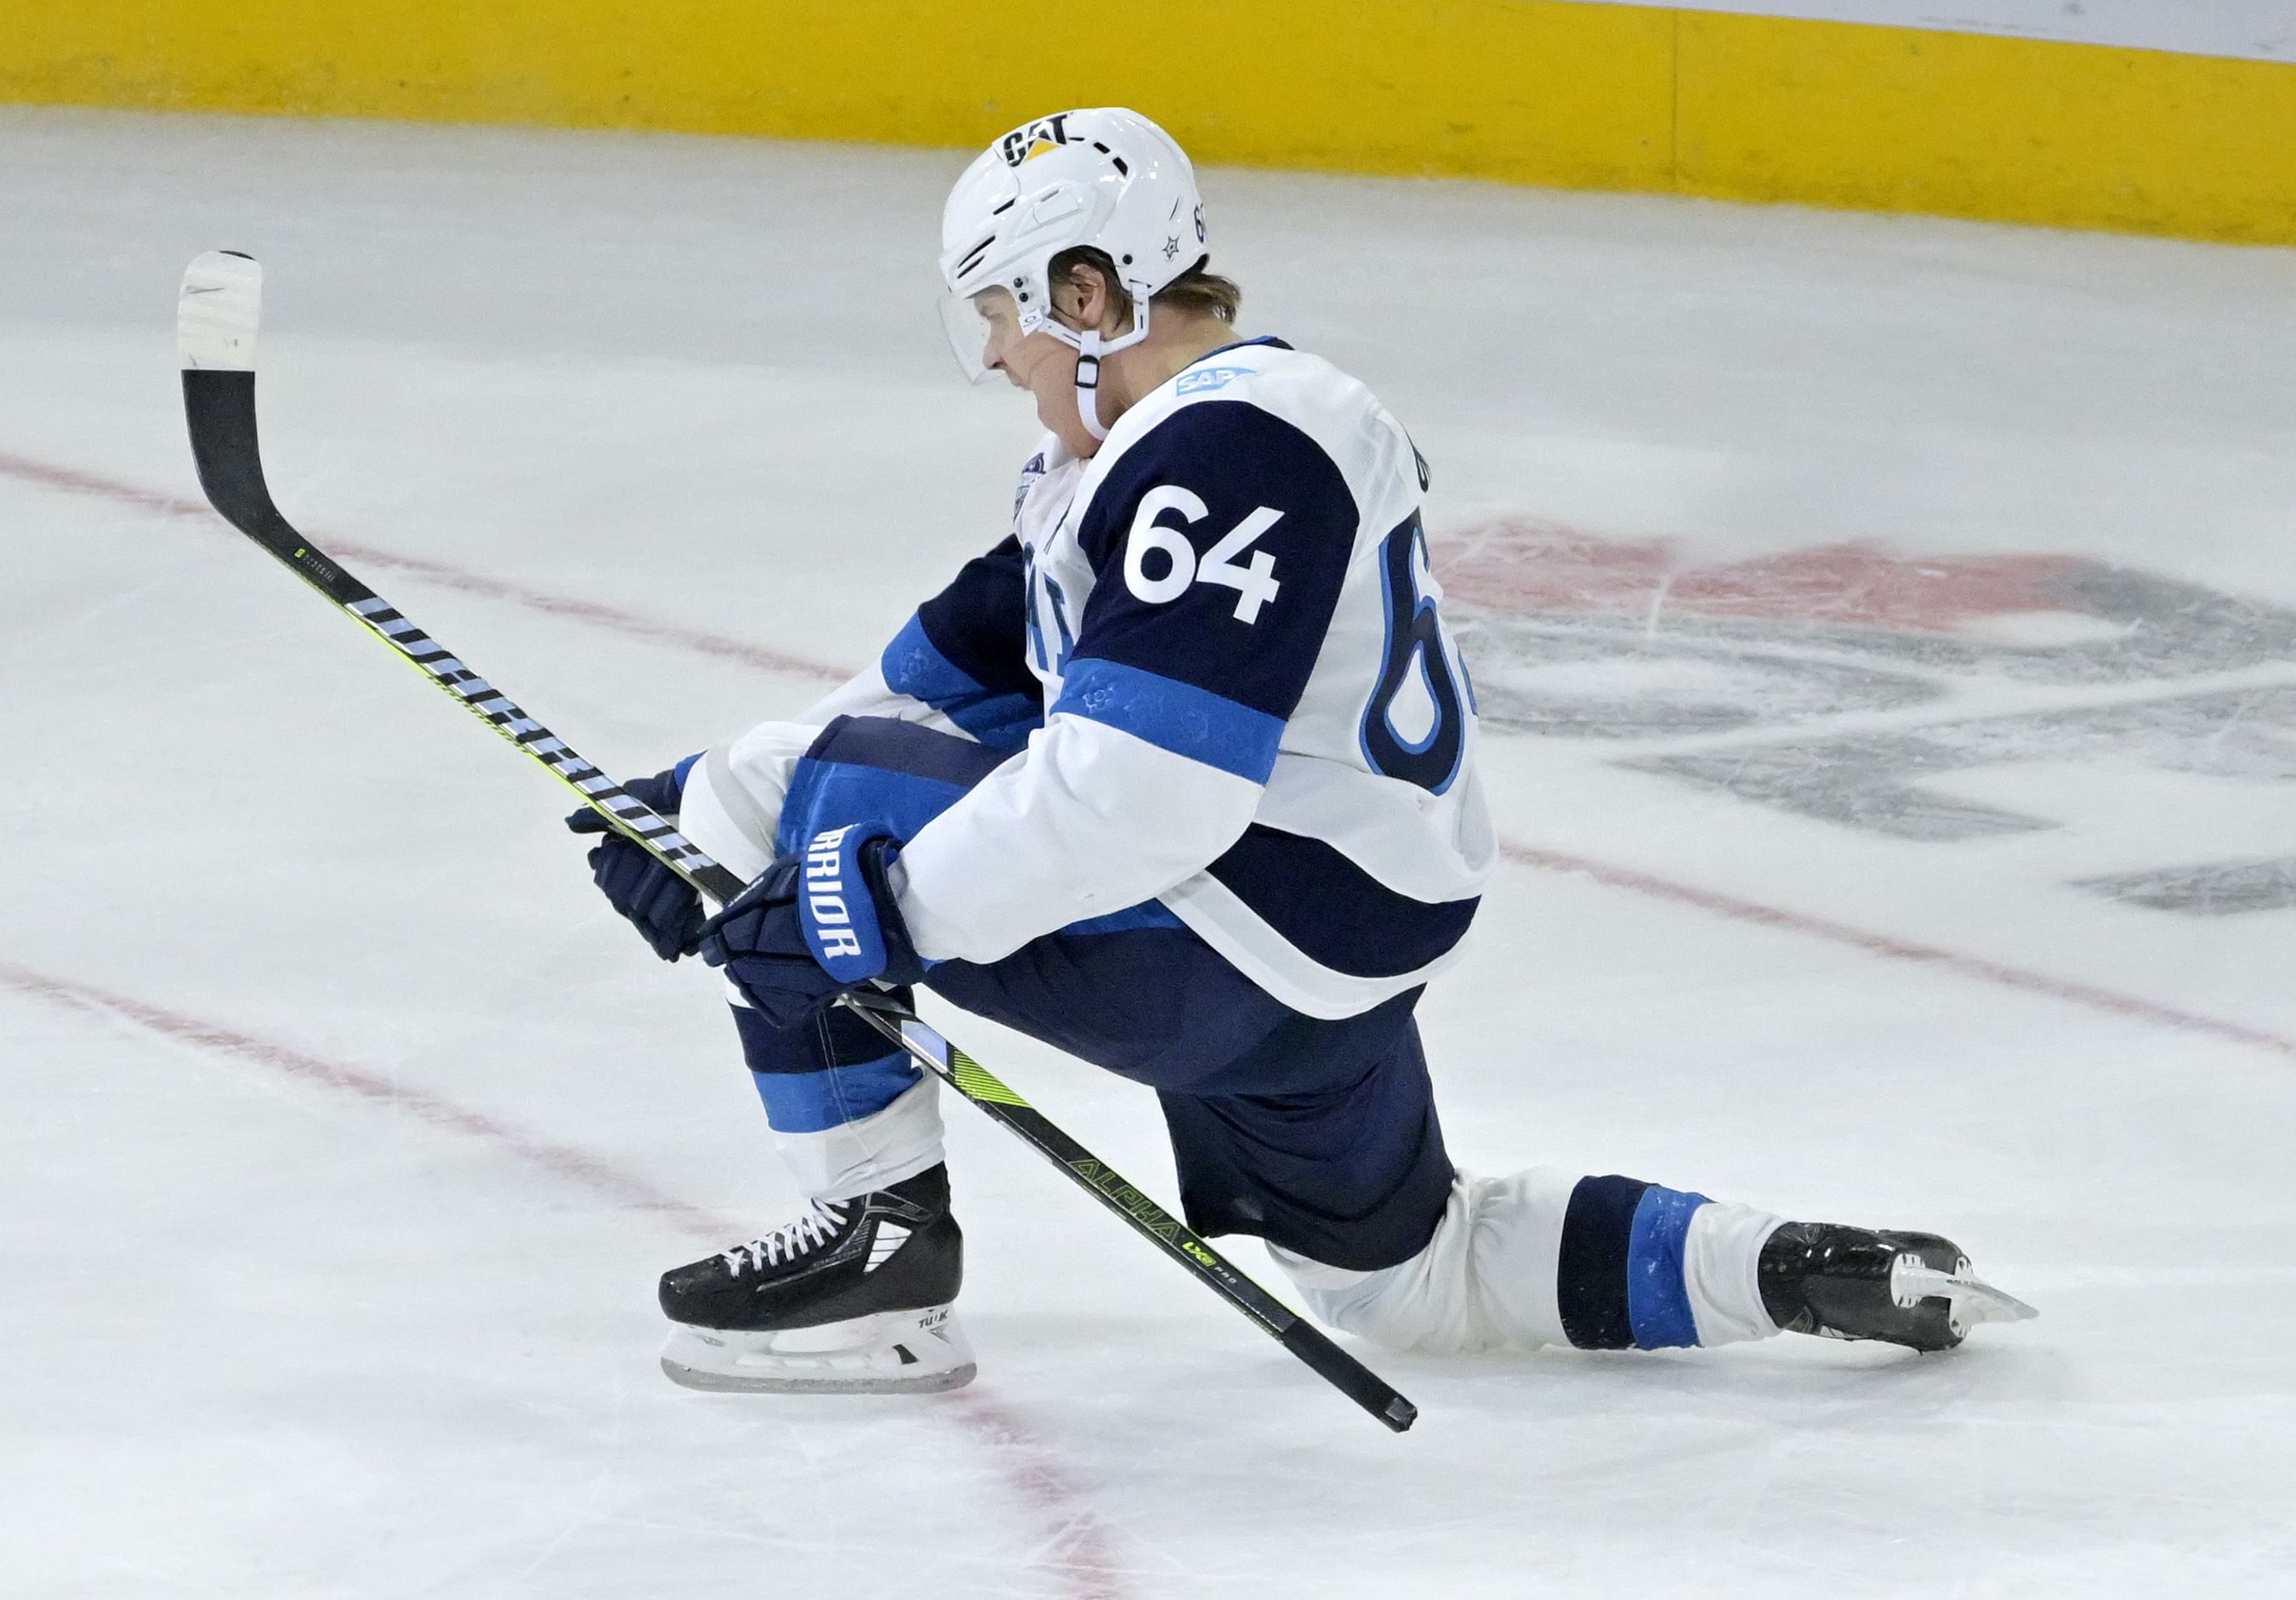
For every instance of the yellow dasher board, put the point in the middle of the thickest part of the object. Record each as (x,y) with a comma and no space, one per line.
(2262,30)
(2134,115)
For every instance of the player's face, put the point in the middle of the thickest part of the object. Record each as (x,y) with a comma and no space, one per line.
(1037,362)
(1000,329)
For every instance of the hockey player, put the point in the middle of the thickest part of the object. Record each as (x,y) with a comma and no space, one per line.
(1180,777)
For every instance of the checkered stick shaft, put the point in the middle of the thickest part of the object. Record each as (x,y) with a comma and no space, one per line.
(512,720)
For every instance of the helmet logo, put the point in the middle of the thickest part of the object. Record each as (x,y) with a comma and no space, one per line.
(1040,137)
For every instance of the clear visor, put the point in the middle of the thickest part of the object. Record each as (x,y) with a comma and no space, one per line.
(981,328)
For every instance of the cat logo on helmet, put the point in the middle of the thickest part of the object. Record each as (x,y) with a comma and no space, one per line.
(1038,138)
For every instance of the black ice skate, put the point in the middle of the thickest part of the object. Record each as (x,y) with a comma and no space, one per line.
(1912,1289)
(851,1298)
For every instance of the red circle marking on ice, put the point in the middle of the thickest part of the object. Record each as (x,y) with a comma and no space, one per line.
(1519,565)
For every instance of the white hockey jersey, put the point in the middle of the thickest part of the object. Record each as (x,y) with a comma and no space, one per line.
(1217,651)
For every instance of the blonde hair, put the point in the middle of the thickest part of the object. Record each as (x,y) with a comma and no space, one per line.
(1197,292)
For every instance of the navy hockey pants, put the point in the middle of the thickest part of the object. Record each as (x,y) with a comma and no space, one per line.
(1319,1136)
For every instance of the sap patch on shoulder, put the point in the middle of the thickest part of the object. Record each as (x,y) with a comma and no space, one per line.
(1210,377)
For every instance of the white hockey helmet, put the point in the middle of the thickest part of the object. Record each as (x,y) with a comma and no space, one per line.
(1107,179)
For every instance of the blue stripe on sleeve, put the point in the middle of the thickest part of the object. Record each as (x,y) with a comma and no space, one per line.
(916,666)
(1173,715)
(815,1102)
(1658,1302)
(1001,721)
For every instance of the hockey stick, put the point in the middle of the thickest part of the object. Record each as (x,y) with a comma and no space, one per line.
(217,319)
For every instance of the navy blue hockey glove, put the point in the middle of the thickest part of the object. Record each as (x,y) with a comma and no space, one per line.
(660,905)
(814,927)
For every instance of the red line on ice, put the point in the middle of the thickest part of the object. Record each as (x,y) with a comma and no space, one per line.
(2089,995)
(1902,949)
(565,1161)
(1078,1552)
(446,575)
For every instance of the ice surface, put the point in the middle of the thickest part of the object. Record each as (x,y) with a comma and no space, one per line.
(1888,633)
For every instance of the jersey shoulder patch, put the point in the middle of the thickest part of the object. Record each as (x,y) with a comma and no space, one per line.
(1033,469)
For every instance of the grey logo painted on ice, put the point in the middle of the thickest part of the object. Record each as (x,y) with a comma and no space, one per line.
(1873,781)
(2213,891)
(1573,638)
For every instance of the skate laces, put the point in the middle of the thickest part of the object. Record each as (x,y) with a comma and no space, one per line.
(792,1239)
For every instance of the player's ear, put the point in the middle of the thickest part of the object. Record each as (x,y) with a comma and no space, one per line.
(1088,298)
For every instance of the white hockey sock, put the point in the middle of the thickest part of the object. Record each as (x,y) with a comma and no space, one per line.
(1721,1262)
(1546,1257)
(852,1159)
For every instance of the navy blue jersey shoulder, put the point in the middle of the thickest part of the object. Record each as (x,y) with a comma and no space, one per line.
(979,622)
(1219,543)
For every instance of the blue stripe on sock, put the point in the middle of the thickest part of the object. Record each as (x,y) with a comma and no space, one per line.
(814,1102)
(1658,1302)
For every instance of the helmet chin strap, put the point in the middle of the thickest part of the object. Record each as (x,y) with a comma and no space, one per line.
(1088,383)
(1090,347)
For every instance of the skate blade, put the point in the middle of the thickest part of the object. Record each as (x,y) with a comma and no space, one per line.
(716,1383)
(1973,1300)
(892,1352)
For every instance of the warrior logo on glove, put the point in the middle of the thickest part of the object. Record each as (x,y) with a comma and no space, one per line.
(848,949)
